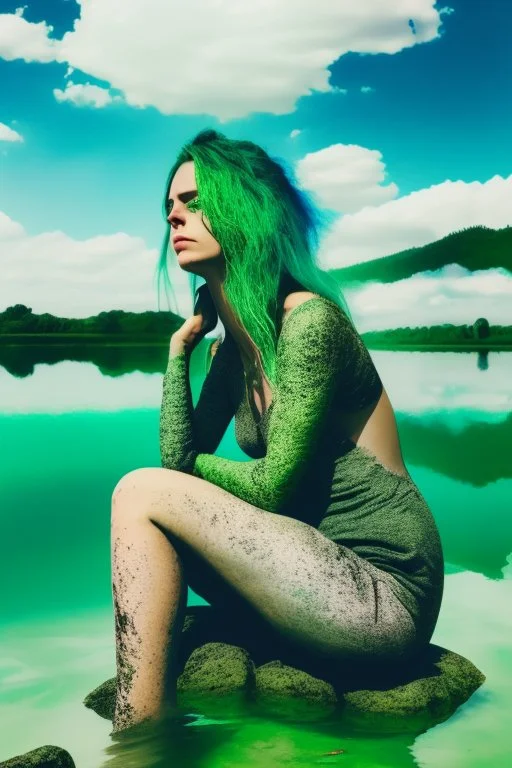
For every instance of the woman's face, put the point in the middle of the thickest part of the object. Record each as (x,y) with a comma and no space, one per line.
(200,252)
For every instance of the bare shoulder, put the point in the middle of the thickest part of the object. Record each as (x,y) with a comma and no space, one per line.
(336,318)
(293,300)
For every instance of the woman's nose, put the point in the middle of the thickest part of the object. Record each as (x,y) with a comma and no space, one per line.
(176,215)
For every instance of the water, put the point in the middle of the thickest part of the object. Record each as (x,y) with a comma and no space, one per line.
(75,420)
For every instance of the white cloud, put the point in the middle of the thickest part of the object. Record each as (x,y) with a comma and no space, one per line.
(295,133)
(367,89)
(9,229)
(52,272)
(21,39)
(85,94)
(416,219)
(8,134)
(146,53)
(345,177)
(349,179)
(449,295)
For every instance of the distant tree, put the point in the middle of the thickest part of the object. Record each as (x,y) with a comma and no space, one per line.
(108,322)
(16,312)
(481,328)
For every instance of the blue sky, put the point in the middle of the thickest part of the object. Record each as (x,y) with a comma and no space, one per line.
(398,119)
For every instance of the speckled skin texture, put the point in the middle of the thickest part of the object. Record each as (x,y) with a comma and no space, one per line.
(301,468)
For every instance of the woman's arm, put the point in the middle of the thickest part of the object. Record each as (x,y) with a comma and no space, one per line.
(310,359)
(185,431)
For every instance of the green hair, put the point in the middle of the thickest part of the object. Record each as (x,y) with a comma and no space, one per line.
(268,230)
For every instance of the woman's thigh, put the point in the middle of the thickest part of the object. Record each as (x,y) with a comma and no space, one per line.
(371,623)
(310,590)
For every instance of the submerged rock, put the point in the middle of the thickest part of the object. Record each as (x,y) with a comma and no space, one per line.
(102,700)
(217,668)
(216,680)
(222,665)
(285,691)
(442,682)
(42,757)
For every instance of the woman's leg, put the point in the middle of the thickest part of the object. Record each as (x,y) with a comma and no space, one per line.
(318,595)
(149,594)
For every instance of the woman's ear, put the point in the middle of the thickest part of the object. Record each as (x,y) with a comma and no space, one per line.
(205,306)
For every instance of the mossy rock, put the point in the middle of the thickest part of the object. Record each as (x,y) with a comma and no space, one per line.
(217,671)
(103,699)
(217,680)
(42,757)
(286,691)
(217,668)
(443,682)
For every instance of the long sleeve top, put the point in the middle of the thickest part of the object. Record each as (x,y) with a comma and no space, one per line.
(318,349)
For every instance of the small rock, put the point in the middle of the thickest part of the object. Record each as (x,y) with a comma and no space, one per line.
(103,699)
(290,692)
(216,681)
(278,678)
(444,682)
(218,668)
(42,757)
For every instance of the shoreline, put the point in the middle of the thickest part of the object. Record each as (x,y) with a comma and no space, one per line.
(109,340)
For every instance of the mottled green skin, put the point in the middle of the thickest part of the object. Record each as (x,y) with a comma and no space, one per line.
(302,466)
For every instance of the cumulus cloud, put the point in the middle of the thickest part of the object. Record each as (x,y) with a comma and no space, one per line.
(8,134)
(160,71)
(449,295)
(21,39)
(52,272)
(416,219)
(345,177)
(85,94)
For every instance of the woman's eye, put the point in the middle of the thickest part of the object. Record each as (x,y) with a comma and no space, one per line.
(194,205)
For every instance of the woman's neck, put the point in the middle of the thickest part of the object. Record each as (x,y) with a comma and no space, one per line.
(248,351)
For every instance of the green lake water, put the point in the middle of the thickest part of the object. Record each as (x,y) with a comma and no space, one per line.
(73,423)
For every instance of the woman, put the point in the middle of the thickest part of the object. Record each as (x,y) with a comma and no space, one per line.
(323,536)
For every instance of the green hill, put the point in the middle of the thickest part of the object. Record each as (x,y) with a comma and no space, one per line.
(473,248)
(19,319)
(478,336)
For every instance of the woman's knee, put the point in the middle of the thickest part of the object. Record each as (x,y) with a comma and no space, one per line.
(137,489)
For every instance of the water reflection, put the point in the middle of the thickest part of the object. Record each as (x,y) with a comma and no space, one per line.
(112,360)
(254,741)
(483,360)
(455,424)
(477,453)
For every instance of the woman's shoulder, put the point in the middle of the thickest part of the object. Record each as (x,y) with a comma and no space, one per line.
(295,298)
(312,304)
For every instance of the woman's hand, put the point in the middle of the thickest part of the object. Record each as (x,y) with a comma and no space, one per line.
(188,336)
(197,326)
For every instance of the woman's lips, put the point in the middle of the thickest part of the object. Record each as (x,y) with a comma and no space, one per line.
(181,244)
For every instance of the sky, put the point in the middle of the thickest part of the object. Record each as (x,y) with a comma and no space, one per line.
(396,116)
